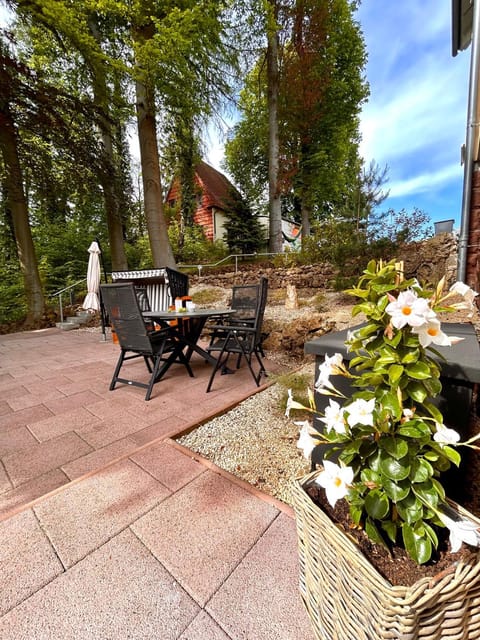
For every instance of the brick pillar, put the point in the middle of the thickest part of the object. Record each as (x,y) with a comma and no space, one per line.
(472,276)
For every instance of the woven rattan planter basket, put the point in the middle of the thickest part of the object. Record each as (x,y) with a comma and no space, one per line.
(347,599)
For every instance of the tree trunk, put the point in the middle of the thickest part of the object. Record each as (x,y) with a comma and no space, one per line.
(162,254)
(274,204)
(18,205)
(108,175)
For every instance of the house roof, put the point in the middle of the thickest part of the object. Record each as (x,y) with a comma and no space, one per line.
(218,186)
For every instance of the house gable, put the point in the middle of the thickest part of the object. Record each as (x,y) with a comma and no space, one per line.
(214,195)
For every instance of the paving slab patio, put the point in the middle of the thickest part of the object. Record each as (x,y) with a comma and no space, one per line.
(109,528)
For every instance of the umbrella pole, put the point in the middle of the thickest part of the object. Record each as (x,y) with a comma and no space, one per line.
(102,306)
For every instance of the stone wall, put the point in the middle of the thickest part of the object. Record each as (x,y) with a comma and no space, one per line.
(428,261)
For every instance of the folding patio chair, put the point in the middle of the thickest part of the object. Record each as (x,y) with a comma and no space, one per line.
(242,334)
(160,349)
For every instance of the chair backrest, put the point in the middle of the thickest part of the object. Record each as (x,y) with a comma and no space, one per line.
(122,305)
(245,299)
(177,283)
(260,311)
(250,302)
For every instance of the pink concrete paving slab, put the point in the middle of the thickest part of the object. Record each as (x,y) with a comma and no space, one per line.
(204,628)
(98,459)
(16,499)
(116,427)
(11,391)
(5,378)
(15,440)
(83,385)
(168,465)
(183,532)
(37,460)
(4,408)
(76,400)
(23,417)
(30,399)
(168,427)
(113,403)
(5,484)
(118,592)
(86,514)
(27,560)
(260,599)
(51,382)
(76,419)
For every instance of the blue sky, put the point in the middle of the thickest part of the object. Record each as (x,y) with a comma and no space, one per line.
(415,119)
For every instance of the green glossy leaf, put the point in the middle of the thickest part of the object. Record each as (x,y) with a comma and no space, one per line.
(410,357)
(433,386)
(373,533)
(410,509)
(418,371)
(367,330)
(396,447)
(433,411)
(369,475)
(396,491)
(356,513)
(452,454)
(419,547)
(427,492)
(417,392)
(390,529)
(391,405)
(410,430)
(377,504)
(421,470)
(439,488)
(395,372)
(393,468)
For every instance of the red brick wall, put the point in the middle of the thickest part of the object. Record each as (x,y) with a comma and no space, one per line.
(473,252)
(203,215)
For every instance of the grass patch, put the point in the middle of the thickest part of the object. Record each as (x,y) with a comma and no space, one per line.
(207,296)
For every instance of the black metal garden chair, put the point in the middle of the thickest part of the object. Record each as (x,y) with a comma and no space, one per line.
(160,349)
(241,334)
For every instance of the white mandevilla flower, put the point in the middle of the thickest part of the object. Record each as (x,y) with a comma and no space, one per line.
(431,332)
(444,435)
(328,367)
(409,309)
(305,442)
(463,290)
(467,293)
(292,404)
(336,481)
(360,412)
(334,417)
(461,530)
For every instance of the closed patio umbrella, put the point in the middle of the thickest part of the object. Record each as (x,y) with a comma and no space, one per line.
(92,302)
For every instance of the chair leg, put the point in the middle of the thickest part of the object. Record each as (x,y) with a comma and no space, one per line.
(120,360)
(218,364)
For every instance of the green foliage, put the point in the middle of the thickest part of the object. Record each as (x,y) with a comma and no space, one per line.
(243,231)
(388,434)
(196,249)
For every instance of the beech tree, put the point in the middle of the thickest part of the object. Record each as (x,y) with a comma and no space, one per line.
(321,90)
(10,83)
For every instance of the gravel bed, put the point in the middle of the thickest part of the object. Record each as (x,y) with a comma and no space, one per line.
(255,442)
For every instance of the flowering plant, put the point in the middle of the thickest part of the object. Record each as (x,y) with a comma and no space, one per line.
(388,438)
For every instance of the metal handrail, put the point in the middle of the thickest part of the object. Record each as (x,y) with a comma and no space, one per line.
(59,294)
(232,255)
